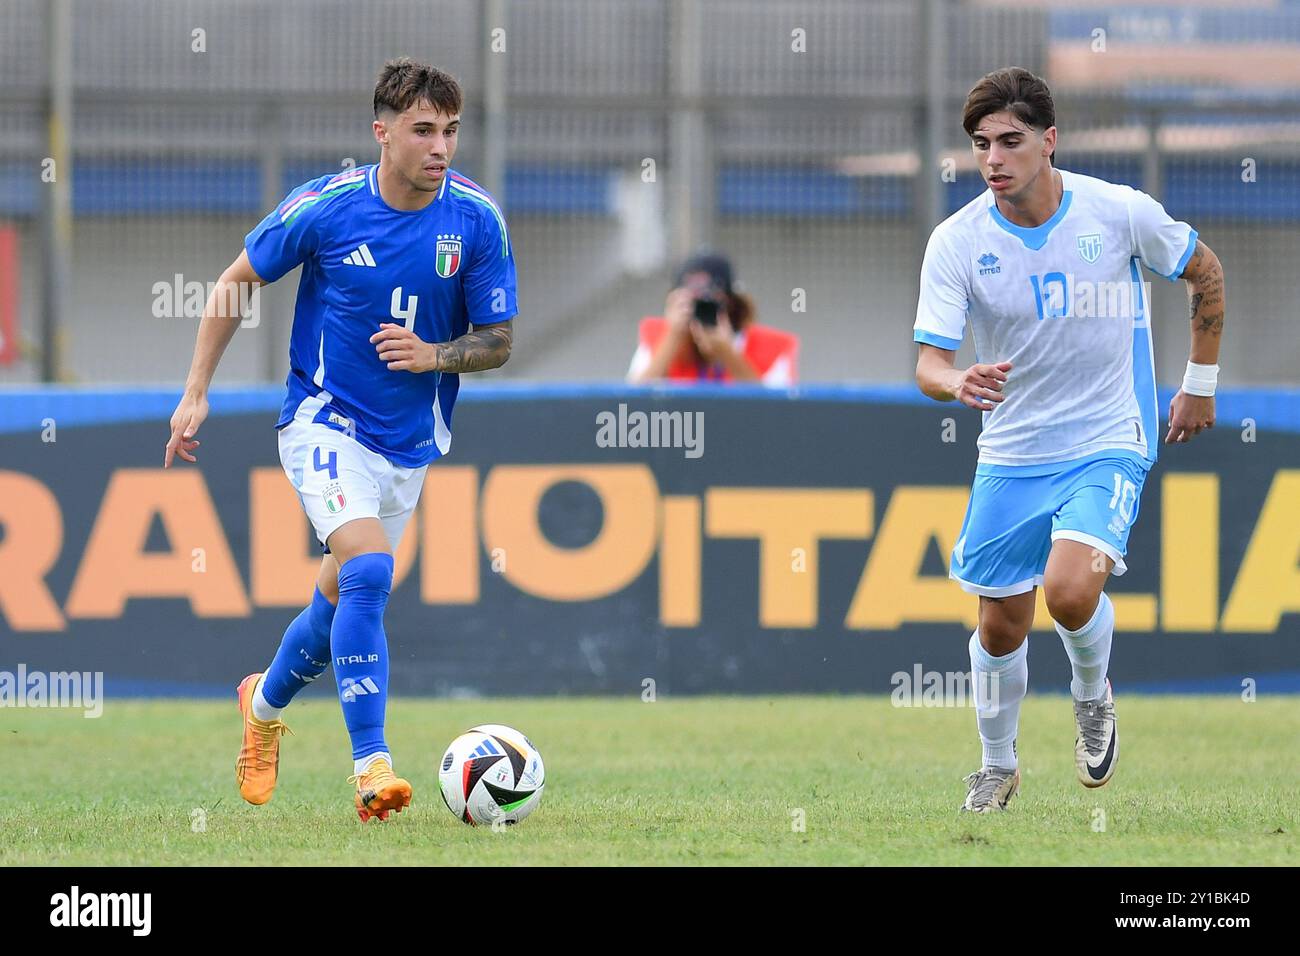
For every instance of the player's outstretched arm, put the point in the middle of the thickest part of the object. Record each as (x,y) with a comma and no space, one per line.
(1192,408)
(221,316)
(483,348)
(978,387)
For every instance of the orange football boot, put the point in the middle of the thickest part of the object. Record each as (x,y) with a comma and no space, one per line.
(259,756)
(380,791)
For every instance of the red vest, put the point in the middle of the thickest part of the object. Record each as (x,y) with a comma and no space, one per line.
(763,347)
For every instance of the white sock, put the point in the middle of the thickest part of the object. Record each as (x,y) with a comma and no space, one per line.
(359,766)
(261,709)
(1000,684)
(1089,651)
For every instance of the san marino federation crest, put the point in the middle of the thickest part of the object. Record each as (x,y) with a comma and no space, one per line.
(448,253)
(1090,247)
(334,500)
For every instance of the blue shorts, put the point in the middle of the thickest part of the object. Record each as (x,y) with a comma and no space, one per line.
(1016,512)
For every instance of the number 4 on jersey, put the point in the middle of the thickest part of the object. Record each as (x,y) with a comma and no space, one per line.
(407,314)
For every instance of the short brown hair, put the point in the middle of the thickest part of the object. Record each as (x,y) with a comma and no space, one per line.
(404,82)
(1023,94)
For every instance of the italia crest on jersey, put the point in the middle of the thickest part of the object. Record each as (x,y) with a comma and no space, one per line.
(1090,247)
(334,500)
(448,256)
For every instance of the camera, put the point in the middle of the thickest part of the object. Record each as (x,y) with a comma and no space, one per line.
(706,312)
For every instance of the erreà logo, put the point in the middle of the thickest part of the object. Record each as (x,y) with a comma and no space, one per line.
(448,256)
(989,264)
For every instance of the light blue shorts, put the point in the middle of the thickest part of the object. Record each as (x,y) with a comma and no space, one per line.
(1016,512)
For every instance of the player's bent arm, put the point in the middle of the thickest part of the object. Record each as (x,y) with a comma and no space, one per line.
(483,348)
(221,317)
(1204,276)
(978,387)
(936,373)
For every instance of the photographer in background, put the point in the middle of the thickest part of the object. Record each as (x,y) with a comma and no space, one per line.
(708,334)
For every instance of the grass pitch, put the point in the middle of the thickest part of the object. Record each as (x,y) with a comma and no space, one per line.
(1201,781)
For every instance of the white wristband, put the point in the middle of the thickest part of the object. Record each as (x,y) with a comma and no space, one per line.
(1200,379)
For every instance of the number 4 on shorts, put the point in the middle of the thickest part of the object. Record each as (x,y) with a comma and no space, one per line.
(332,463)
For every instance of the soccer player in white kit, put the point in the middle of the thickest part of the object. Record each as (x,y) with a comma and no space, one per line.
(1043,266)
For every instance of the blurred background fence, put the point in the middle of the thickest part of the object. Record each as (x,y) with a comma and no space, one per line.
(816,142)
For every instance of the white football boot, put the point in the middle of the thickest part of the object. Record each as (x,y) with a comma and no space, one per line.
(1096,749)
(990,788)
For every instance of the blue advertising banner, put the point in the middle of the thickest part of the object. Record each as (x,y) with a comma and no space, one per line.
(589,539)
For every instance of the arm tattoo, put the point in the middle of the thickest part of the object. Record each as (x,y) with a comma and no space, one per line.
(477,351)
(1206,288)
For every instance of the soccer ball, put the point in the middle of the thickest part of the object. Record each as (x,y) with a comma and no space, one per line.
(491,774)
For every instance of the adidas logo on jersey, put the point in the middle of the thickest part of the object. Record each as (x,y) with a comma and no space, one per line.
(360,257)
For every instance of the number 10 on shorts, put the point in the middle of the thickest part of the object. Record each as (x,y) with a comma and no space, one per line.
(1125,497)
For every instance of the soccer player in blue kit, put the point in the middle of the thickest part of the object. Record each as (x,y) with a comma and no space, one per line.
(1067,388)
(408,280)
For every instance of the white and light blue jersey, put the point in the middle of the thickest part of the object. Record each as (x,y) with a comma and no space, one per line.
(1064,303)
(437,270)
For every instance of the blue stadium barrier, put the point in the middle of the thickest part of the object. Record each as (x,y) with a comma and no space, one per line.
(116,594)
(23,407)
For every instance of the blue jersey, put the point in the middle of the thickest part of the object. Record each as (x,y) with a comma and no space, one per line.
(435,270)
